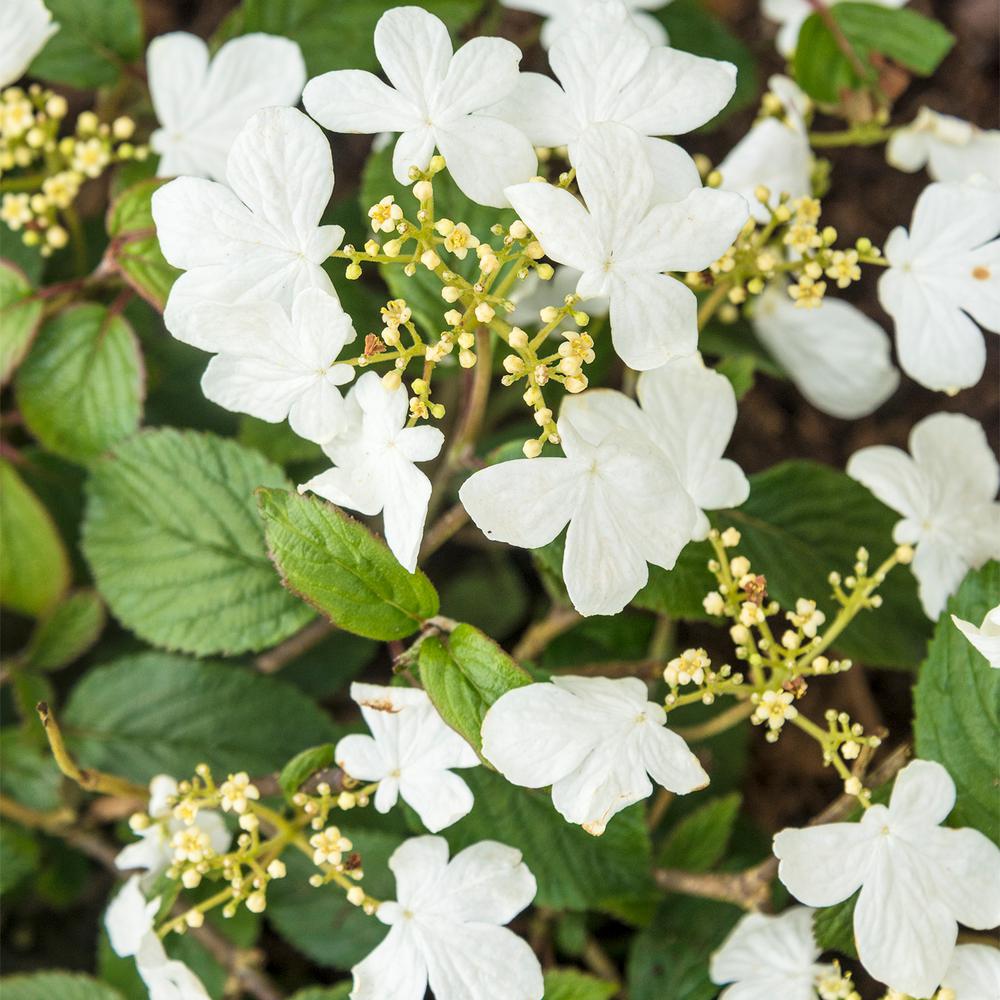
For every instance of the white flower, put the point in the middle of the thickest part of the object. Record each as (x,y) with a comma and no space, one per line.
(447,927)
(609,72)
(769,957)
(622,242)
(792,14)
(596,741)
(918,880)
(945,267)
(409,753)
(974,972)
(692,412)
(129,922)
(945,493)
(561,16)
(201,107)
(775,154)
(272,367)
(621,497)
(950,148)
(839,358)
(437,99)
(152,853)
(261,240)
(25,27)
(374,465)
(986,638)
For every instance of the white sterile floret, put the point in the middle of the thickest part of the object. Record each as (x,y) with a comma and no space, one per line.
(609,72)
(986,638)
(767,957)
(259,239)
(25,27)
(202,102)
(273,367)
(692,412)
(446,927)
(945,270)
(375,470)
(611,477)
(153,852)
(950,148)
(410,754)
(596,741)
(974,972)
(918,879)
(129,922)
(839,359)
(775,154)
(622,242)
(437,99)
(792,14)
(945,493)
(561,16)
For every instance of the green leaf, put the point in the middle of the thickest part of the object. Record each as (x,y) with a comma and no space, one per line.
(821,68)
(96,38)
(34,568)
(29,774)
(569,984)
(464,673)
(19,318)
(341,992)
(156,713)
(335,34)
(700,840)
(338,566)
(53,985)
(739,369)
(302,765)
(172,536)
(19,856)
(679,592)
(134,246)
(833,927)
(67,632)
(957,705)
(80,389)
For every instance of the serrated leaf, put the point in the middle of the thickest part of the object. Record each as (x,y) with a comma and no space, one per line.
(172,536)
(19,855)
(569,984)
(19,318)
(833,927)
(338,566)
(699,841)
(67,632)
(463,674)
(80,390)
(52,985)
(134,246)
(34,567)
(96,38)
(957,705)
(157,713)
(302,765)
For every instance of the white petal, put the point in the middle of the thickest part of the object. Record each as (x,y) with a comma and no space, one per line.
(822,865)
(974,972)
(129,918)
(923,793)
(419,865)
(354,489)
(951,449)
(670,761)
(482,71)
(361,758)
(161,788)
(439,798)
(396,969)
(939,567)
(420,444)
(414,49)
(252,385)
(150,853)
(908,150)
(986,643)
(538,107)
(892,476)
(960,864)
(562,225)
(487,882)
(414,148)
(406,494)
(25,27)
(176,67)
(653,318)
(759,944)
(675,174)
(352,100)
(595,414)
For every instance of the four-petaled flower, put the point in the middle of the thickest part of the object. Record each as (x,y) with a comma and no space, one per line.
(410,754)
(918,879)
(596,741)
(25,27)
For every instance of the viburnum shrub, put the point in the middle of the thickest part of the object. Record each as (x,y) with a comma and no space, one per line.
(525,324)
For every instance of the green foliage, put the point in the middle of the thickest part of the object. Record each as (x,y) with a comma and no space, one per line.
(80,389)
(488,592)
(823,69)
(29,774)
(569,984)
(699,841)
(338,566)
(19,318)
(334,34)
(302,765)
(95,40)
(957,705)
(341,992)
(134,247)
(464,673)
(834,927)
(50,985)
(66,633)
(34,568)
(172,536)
(156,713)
(19,856)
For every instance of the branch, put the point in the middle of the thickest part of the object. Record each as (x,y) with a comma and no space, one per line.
(451,521)
(538,636)
(292,648)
